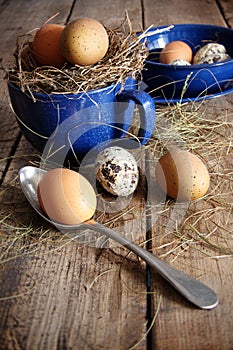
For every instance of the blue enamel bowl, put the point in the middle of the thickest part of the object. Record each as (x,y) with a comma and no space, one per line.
(194,81)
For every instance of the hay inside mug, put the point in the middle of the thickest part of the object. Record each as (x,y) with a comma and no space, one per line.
(124,58)
(43,97)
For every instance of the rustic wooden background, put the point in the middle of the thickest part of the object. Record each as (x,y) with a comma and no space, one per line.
(56,294)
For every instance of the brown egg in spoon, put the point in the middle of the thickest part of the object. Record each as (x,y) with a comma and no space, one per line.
(66,196)
(32,181)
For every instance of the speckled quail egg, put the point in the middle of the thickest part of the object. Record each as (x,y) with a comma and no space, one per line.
(211,53)
(117,171)
(180,63)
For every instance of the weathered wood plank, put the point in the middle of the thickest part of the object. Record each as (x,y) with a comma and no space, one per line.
(71,296)
(226,7)
(174,12)
(110,13)
(178,324)
(74,298)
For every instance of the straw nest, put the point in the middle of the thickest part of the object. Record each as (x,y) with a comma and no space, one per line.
(125,56)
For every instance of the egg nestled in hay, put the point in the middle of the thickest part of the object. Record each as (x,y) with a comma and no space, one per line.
(84,41)
(121,55)
(182,175)
(46,45)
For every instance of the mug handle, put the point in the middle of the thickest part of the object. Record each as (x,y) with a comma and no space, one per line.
(147,113)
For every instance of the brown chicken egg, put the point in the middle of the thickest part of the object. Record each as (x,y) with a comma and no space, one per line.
(46,45)
(182,175)
(84,41)
(174,51)
(66,196)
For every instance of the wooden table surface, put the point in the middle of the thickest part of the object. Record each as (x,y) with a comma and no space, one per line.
(58,294)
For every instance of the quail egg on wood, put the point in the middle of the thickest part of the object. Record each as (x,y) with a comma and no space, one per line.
(117,171)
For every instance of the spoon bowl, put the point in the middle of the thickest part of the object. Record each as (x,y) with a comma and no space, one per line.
(193,290)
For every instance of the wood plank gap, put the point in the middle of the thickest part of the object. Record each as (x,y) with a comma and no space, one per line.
(3,5)
(71,11)
(10,156)
(143,14)
(149,341)
(218,3)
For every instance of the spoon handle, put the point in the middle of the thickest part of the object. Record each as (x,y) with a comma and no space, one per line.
(193,290)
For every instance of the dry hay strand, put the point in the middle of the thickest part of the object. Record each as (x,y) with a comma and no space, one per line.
(21,231)
(204,225)
(125,57)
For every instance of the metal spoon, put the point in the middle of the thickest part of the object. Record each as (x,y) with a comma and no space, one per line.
(193,290)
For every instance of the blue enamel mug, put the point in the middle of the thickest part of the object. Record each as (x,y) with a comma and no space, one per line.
(76,123)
